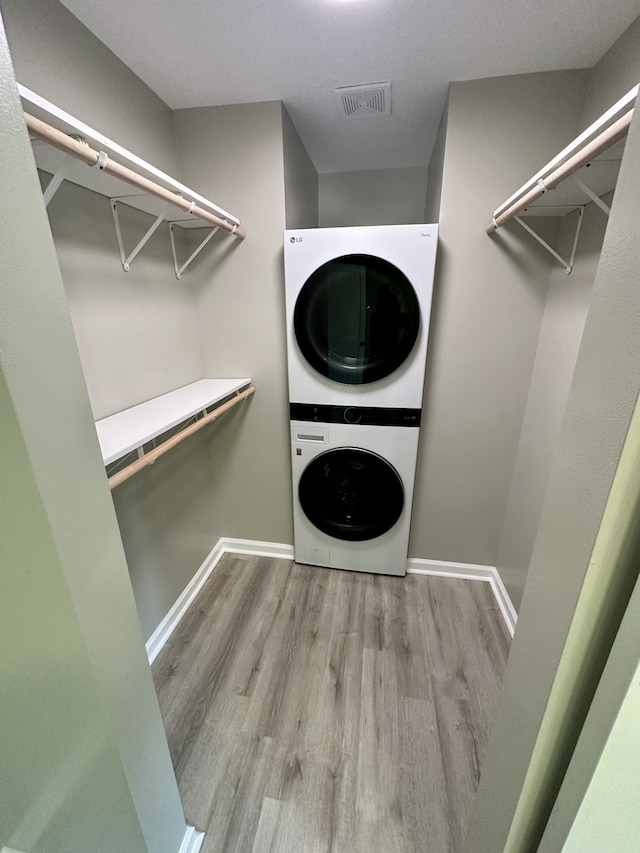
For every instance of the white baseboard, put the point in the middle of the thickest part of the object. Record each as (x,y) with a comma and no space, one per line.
(509,613)
(224,545)
(259,549)
(170,622)
(192,841)
(470,572)
(279,551)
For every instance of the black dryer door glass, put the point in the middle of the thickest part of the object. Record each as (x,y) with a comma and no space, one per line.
(351,494)
(356,319)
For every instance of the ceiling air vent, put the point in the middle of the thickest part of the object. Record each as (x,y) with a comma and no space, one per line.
(370,99)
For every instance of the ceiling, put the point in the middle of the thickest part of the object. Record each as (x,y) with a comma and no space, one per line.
(197,53)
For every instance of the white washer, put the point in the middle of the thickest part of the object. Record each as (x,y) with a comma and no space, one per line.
(358,304)
(353,492)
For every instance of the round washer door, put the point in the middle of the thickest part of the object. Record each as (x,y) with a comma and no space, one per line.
(351,494)
(356,319)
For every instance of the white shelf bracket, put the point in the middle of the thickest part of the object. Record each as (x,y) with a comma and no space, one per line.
(54,184)
(594,198)
(180,269)
(127,261)
(568,265)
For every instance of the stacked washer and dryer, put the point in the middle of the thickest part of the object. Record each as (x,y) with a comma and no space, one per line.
(358,303)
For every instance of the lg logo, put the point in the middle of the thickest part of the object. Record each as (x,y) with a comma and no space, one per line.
(296,239)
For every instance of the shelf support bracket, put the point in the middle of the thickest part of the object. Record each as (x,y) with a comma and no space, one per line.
(54,184)
(180,269)
(568,265)
(594,198)
(127,261)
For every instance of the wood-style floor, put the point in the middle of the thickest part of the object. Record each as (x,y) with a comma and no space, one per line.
(313,710)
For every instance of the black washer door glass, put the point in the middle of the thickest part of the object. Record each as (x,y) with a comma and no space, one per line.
(351,494)
(356,319)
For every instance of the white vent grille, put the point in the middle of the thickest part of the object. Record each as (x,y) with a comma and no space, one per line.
(371,99)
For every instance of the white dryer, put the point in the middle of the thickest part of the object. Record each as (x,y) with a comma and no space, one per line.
(353,487)
(358,303)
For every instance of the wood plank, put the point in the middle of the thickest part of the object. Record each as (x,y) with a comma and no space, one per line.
(320,710)
(423,792)
(265,837)
(378,797)
(224,636)
(239,794)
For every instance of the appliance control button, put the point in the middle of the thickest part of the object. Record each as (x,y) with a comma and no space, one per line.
(352,415)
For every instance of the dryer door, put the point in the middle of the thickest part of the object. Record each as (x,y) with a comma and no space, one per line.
(351,494)
(356,319)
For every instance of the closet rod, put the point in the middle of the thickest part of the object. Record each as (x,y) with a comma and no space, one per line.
(170,443)
(93,158)
(597,145)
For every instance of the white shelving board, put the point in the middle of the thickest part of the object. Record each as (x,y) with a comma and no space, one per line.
(125,431)
(49,159)
(600,175)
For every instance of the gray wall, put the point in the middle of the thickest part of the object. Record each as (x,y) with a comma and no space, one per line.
(143,333)
(57,57)
(489,305)
(85,764)
(565,312)
(300,179)
(381,197)
(137,332)
(609,816)
(233,478)
(239,293)
(560,335)
(614,75)
(602,397)
(168,524)
(613,570)
(62,783)
(435,174)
